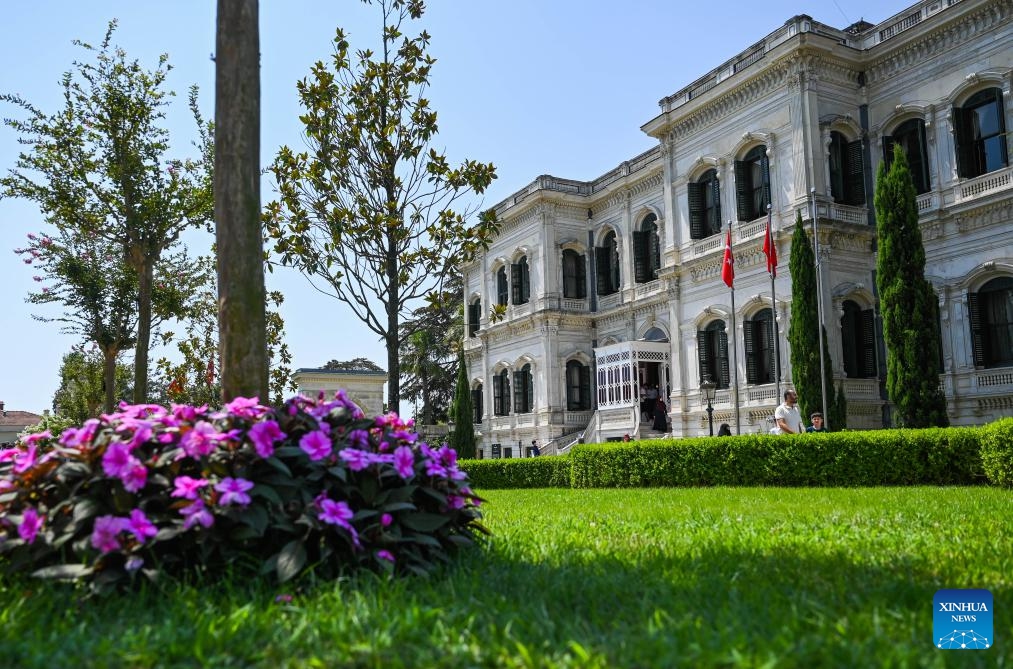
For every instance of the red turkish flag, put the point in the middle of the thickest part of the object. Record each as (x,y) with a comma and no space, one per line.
(728,268)
(770,250)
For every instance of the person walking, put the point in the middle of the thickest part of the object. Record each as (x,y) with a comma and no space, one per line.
(787,416)
(817,423)
(724,430)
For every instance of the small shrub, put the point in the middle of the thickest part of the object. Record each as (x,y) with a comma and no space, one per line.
(311,485)
(997,452)
(546,471)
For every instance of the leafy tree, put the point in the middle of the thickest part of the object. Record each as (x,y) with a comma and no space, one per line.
(55,423)
(429,354)
(370,212)
(462,439)
(96,289)
(82,390)
(194,378)
(243,319)
(358,364)
(805,351)
(98,168)
(907,302)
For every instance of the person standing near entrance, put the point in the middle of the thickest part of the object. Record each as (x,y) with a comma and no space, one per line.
(817,423)
(787,415)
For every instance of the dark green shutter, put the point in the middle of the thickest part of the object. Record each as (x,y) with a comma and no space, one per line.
(965,147)
(497,395)
(519,392)
(977,330)
(476,405)
(529,404)
(888,150)
(765,171)
(868,343)
(601,256)
(722,353)
(716,226)
(581,264)
(743,191)
(474,317)
(515,283)
(502,291)
(640,256)
(585,387)
(854,174)
(525,281)
(653,255)
(703,355)
(751,346)
(697,210)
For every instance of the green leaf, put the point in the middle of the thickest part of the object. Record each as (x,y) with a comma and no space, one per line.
(291,560)
(63,572)
(268,493)
(398,506)
(279,465)
(424,522)
(256,517)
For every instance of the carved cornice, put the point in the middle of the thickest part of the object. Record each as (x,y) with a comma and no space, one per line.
(947,38)
(996,214)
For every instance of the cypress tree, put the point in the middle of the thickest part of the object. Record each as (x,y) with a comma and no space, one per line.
(907,301)
(805,351)
(462,439)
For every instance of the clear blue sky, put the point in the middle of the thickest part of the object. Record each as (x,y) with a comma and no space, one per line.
(534,87)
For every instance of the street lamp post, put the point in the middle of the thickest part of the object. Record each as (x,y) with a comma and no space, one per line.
(708,389)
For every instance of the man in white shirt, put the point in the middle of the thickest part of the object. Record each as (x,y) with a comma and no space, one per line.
(787,415)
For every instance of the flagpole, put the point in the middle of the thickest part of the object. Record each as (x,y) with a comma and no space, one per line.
(819,309)
(773,306)
(735,349)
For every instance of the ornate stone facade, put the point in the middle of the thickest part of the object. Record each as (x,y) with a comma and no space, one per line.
(789,104)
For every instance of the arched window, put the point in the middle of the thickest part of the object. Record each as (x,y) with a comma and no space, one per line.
(523,390)
(477,398)
(646,250)
(980,129)
(607,261)
(910,136)
(712,353)
(704,206)
(502,287)
(578,386)
(847,177)
(474,316)
(991,316)
(752,184)
(858,341)
(501,393)
(574,274)
(520,280)
(758,338)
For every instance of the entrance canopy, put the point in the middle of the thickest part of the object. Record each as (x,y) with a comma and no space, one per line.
(618,377)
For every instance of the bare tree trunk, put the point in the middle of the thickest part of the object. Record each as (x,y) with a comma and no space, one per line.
(145,280)
(241,317)
(109,378)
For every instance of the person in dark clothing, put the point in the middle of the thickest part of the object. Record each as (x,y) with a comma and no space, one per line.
(660,416)
(817,423)
(724,430)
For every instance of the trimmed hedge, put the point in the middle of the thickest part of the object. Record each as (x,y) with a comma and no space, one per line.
(546,471)
(936,456)
(997,452)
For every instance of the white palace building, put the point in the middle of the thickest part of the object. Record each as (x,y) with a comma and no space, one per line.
(594,288)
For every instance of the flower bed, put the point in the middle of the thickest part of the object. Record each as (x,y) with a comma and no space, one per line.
(309,486)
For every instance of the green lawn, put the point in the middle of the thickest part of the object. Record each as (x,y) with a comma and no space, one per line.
(589,578)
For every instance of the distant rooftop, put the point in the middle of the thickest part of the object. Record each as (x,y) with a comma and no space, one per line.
(340,372)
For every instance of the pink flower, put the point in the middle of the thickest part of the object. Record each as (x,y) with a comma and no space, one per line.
(117,460)
(233,491)
(246,407)
(385,555)
(31,523)
(359,438)
(357,460)
(140,526)
(188,413)
(187,487)
(316,444)
(82,436)
(105,536)
(25,460)
(404,462)
(197,513)
(455,502)
(136,477)
(38,436)
(201,440)
(338,513)
(263,435)
(386,519)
